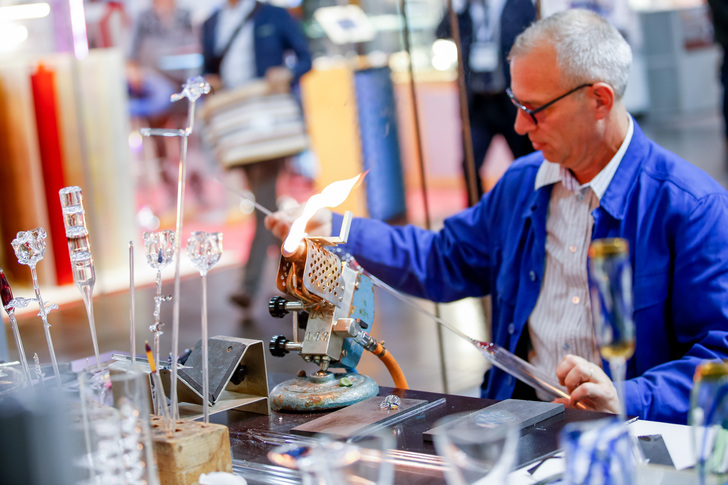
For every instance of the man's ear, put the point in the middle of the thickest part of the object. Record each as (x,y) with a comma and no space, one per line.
(604,96)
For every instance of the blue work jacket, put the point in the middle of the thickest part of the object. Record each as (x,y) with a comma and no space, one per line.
(675,218)
(275,32)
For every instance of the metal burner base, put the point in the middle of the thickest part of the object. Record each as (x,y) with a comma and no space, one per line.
(322,393)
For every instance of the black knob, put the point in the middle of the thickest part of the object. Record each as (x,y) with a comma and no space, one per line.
(302,320)
(277,307)
(277,346)
(238,375)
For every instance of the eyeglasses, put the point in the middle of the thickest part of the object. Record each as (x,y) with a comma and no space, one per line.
(532,112)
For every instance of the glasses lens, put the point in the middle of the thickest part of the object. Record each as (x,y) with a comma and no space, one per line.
(518,105)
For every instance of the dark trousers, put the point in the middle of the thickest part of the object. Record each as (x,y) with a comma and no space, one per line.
(261,178)
(490,115)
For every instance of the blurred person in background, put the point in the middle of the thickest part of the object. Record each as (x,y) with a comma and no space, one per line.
(487,31)
(164,53)
(242,41)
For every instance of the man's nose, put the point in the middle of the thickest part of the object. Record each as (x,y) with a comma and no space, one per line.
(524,123)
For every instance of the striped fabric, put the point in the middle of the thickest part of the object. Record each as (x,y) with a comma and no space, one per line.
(561,322)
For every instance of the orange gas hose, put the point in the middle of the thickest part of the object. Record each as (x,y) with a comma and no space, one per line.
(392,366)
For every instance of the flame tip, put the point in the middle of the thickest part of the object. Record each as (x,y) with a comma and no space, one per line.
(331,196)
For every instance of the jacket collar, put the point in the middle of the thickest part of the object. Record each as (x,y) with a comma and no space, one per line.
(616,198)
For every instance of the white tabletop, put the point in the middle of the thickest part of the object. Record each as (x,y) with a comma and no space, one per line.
(677,439)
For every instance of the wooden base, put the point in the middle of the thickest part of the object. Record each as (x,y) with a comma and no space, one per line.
(193,449)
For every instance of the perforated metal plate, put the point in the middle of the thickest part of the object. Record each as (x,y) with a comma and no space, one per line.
(322,274)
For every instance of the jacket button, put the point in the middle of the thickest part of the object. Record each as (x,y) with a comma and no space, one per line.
(532,275)
(511,328)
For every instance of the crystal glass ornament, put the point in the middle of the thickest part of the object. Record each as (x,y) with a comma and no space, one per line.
(79,250)
(192,89)
(38,370)
(391,403)
(159,248)
(29,247)
(204,250)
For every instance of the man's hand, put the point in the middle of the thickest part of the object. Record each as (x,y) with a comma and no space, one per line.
(279,79)
(279,223)
(587,384)
(214,81)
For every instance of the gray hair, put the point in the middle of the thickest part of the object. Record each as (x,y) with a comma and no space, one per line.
(588,48)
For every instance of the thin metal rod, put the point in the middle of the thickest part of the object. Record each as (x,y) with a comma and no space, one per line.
(421,162)
(242,195)
(162,132)
(19,345)
(181,183)
(46,326)
(157,313)
(408,301)
(295,326)
(88,300)
(467,140)
(205,358)
(132,306)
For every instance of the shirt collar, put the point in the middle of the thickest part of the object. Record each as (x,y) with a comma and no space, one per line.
(550,173)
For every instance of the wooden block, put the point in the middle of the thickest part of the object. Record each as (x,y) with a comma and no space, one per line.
(192,450)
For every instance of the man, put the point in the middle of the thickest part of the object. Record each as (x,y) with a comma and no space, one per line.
(487,30)
(595,175)
(243,41)
(160,32)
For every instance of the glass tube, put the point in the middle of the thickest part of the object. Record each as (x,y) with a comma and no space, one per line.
(79,250)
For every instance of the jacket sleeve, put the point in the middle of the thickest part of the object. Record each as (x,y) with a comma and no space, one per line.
(682,315)
(447,265)
(295,39)
(209,66)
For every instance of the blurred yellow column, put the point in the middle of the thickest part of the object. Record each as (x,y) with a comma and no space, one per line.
(331,115)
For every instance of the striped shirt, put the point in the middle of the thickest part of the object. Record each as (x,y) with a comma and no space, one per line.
(561,321)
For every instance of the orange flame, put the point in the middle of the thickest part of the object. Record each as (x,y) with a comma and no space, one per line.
(333,195)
